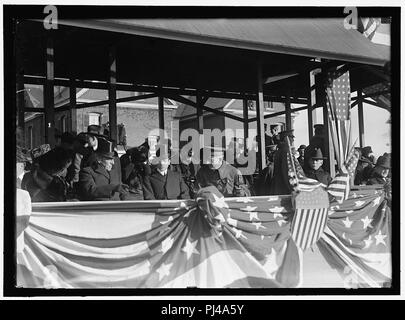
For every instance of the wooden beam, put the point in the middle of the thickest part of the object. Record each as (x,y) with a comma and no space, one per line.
(361,118)
(311,104)
(245,124)
(376,104)
(165,90)
(374,94)
(191,103)
(72,106)
(260,119)
(161,111)
(49,102)
(200,123)
(105,102)
(112,94)
(288,112)
(320,80)
(276,114)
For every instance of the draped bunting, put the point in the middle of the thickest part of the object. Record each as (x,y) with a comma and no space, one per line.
(209,242)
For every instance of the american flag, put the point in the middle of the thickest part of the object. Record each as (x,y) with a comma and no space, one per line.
(338,103)
(310,217)
(210,242)
(340,185)
(358,232)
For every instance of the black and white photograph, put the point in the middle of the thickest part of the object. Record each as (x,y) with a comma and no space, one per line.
(201,150)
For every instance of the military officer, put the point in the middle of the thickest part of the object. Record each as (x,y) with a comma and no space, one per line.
(217,172)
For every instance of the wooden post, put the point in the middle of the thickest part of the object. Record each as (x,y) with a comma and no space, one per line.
(329,164)
(245,123)
(311,104)
(49,103)
(288,111)
(361,118)
(72,106)
(20,84)
(260,119)
(112,95)
(161,112)
(200,121)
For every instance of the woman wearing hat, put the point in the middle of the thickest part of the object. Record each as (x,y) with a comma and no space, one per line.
(96,181)
(46,181)
(313,165)
(380,172)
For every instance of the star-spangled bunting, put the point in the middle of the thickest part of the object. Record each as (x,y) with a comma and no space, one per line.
(122,245)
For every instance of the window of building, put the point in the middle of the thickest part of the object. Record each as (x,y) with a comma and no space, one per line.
(95,118)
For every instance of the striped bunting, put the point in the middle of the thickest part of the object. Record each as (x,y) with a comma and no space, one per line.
(308,226)
(310,217)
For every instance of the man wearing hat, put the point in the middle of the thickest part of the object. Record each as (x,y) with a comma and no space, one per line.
(313,165)
(96,181)
(46,180)
(381,171)
(225,177)
(262,184)
(280,182)
(360,177)
(162,183)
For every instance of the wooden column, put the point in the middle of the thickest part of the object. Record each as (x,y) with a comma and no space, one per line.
(320,80)
(200,121)
(245,123)
(20,88)
(161,112)
(288,112)
(72,106)
(311,104)
(49,102)
(260,119)
(361,118)
(112,94)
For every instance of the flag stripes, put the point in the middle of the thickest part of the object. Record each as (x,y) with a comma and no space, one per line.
(308,225)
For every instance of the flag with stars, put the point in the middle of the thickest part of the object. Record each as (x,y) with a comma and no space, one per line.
(340,185)
(209,242)
(338,101)
(357,240)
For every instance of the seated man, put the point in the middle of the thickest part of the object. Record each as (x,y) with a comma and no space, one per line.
(164,184)
(188,170)
(46,180)
(360,174)
(313,166)
(96,182)
(226,178)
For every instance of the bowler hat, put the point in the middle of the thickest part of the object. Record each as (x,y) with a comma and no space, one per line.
(383,162)
(105,148)
(315,153)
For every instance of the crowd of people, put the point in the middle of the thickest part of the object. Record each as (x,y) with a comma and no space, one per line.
(87,167)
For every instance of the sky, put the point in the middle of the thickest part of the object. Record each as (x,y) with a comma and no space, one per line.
(376,129)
